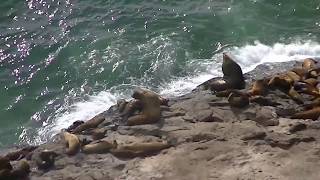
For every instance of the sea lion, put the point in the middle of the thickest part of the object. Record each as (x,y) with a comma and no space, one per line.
(92,123)
(308,63)
(22,171)
(74,125)
(121,104)
(238,99)
(294,76)
(98,147)
(282,82)
(20,154)
(232,73)
(258,88)
(311,81)
(150,112)
(98,133)
(300,72)
(306,88)
(138,149)
(72,143)
(308,114)
(217,84)
(45,159)
(295,95)
(131,107)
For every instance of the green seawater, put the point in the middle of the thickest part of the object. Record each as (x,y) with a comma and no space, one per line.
(55,53)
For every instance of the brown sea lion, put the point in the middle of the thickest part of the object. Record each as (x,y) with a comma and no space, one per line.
(139,149)
(300,72)
(295,95)
(74,125)
(258,88)
(98,133)
(72,143)
(311,81)
(308,114)
(5,163)
(150,112)
(294,76)
(20,154)
(232,73)
(92,123)
(217,84)
(98,147)
(315,103)
(282,82)
(238,99)
(306,88)
(45,159)
(131,107)
(22,171)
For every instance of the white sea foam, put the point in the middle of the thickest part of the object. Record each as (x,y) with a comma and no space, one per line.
(248,57)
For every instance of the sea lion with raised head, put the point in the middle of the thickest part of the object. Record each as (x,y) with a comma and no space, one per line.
(150,112)
(72,143)
(232,72)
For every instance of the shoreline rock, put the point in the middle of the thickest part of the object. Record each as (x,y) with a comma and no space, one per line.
(198,136)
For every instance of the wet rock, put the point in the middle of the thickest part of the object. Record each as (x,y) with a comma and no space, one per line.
(204,116)
(266,116)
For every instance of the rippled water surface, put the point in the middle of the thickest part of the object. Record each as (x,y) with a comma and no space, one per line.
(65,60)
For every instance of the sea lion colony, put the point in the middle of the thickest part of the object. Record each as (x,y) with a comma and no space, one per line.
(300,84)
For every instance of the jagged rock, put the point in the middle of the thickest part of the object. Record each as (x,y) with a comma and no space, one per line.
(255,135)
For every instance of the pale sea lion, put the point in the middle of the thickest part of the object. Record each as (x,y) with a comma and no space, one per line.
(98,147)
(150,112)
(72,142)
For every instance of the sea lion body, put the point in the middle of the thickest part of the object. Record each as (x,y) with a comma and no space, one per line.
(258,88)
(308,114)
(45,159)
(92,123)
(150,112)
(98,147)
(308,63)
(238,99)
(139,149)
(73,143)
(232,73)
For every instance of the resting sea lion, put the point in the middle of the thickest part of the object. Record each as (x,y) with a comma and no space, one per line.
(20,154)
(5,163)
(22,171)
(150,112)
(308,63)
(45,159)
(308,114)
(311,81)
(258,88)
(72,142)
(295,95)
(98,147)
(139,149)
(238,99)
(92,123)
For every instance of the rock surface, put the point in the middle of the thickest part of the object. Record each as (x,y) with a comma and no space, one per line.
(207,139)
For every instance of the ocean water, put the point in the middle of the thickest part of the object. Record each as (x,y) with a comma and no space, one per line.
(66,60)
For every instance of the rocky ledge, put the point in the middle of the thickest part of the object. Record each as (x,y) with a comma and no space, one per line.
(200,135)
